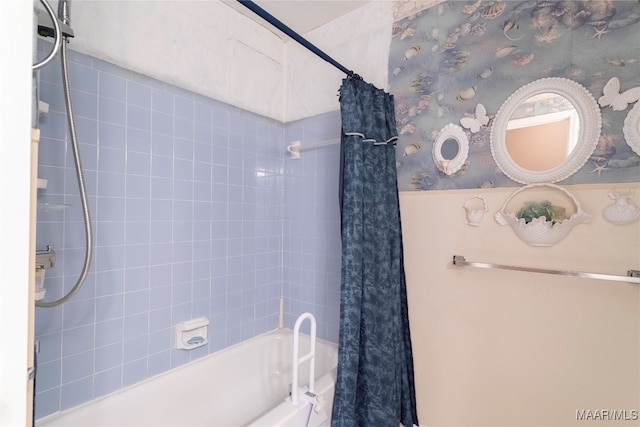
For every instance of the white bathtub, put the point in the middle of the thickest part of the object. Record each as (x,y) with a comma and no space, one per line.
(245,384)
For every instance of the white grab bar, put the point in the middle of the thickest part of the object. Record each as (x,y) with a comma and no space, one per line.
(309,356)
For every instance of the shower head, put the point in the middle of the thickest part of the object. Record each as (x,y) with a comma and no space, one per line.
(45,26)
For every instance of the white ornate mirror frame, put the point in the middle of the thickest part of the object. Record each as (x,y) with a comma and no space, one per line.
(631,128)
(451,132)
(588,113)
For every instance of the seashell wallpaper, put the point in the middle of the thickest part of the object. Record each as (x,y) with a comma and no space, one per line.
(447,59)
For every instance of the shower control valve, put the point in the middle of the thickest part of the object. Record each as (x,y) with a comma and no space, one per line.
(46,258)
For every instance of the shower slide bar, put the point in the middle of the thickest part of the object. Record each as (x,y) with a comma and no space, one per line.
(633,276)
(297,361)
(297,37)
(295,148)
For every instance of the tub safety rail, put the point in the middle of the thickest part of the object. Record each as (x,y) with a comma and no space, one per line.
(311,408)
(311,356)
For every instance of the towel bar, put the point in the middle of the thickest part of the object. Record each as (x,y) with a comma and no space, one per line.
(633,276)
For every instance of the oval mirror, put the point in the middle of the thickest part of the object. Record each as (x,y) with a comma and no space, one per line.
(451,148)
(545,131)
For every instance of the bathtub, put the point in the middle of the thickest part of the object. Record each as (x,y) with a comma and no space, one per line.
(242,385)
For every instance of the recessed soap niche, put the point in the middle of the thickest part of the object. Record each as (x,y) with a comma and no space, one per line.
(192,334)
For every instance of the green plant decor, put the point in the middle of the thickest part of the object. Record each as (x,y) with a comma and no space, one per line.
(551,213)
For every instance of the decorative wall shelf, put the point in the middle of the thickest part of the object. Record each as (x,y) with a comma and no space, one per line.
(540,231)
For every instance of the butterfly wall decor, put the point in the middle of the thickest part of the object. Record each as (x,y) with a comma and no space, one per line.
(618,101)
(474,123)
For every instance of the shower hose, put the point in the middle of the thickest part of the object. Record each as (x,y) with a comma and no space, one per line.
(81,185)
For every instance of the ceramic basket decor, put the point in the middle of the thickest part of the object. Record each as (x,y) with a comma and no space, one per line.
(622,211)
(539,231)
(475,215)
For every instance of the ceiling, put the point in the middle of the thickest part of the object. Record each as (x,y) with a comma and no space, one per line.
(301,16)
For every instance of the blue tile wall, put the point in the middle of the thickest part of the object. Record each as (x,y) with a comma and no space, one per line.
(311,226)
(196,211)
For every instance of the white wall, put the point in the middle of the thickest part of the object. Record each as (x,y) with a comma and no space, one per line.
(15,181)
(360,44)
(210,48)
(504,348)
(204,46)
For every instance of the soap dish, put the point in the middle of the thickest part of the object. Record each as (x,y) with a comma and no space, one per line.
(192,334)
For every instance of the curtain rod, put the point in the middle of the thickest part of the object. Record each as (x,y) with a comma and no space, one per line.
(633,276)
(295,148)
(297,37)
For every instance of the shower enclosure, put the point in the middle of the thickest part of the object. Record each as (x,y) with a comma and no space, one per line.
(188,195)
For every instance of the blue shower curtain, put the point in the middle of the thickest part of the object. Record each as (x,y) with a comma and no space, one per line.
(375,384)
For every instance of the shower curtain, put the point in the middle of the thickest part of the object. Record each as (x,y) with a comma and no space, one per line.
(375,384)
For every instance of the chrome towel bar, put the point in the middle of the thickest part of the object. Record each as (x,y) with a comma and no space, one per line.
(633,276)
